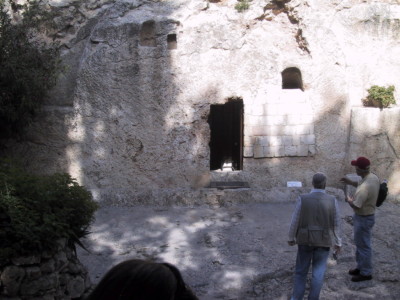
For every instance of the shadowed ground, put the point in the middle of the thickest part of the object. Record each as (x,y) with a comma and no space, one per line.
(238,251)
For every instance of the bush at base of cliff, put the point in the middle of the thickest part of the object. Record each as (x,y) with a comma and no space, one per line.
(379,96)
(242,5)
(36,211)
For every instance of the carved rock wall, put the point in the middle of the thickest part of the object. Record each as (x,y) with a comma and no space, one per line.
(379,138)
(130,115)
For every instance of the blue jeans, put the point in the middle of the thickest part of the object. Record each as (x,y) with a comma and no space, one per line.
(362,238)
(306,255)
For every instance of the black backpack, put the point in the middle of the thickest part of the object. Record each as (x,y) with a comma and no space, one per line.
(383,191)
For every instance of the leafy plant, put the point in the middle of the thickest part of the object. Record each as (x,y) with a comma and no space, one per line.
(29,65)
(242,5)
(36,211)
(379,96)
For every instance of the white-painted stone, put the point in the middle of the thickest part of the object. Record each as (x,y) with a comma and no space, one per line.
(275,130)
(276,120)
(303,150)
(258,151)
(260,130)
(274,140)
(306,118)
(295,139)
(262,140)
(271,109)
(278,151)
(287,140)
(302,129)
(294,119)
(257,110)
(289,130)
(248,152)
(249,141)
(291,151)
(308,139)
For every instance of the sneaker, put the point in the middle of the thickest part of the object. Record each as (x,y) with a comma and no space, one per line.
(354,272)
(357,278)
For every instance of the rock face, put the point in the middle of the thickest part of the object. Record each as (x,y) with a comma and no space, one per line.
(58,276)
(145,103)
(370,139)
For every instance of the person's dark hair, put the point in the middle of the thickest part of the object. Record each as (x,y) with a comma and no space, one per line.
(319,181)
(138,279)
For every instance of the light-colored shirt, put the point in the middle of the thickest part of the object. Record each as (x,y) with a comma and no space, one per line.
(366,195)
(296,218)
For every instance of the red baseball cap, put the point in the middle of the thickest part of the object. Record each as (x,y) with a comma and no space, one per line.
(361,163)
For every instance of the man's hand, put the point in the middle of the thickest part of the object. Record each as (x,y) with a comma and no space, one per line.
(345,180)
(291,243)
(349,199)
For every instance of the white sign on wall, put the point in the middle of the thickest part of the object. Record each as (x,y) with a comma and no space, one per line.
(294,184)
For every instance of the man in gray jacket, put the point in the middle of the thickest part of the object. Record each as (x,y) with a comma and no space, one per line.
(314,222)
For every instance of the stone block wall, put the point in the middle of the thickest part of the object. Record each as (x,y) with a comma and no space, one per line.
(281,126)
(58,276)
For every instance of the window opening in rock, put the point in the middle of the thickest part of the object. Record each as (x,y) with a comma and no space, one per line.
(291,79)
(148,34)
(226,143)
(171,41)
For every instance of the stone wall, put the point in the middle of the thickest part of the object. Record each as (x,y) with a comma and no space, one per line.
(280,126)
(58,276)
(130,114)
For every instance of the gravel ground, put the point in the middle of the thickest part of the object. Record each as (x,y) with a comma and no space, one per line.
(238,251)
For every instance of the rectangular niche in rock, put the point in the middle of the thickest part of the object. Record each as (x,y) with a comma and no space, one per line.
(148,34)
(171,41)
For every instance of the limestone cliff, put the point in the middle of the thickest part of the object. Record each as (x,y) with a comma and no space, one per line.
(132,113)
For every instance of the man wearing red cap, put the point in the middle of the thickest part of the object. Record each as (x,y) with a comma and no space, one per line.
(363,203)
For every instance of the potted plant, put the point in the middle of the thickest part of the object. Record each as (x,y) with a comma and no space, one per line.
(379,96)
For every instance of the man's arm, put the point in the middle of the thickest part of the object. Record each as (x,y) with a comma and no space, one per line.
(359,198)
(294,223)
(349,181)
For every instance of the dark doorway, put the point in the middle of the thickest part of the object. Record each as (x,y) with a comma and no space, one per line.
(226,144)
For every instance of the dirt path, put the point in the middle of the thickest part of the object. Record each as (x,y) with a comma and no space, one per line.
(238,251)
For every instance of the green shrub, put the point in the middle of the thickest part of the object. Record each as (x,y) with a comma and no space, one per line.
(36,211)
(29,65)
(379,96)
(242,5)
